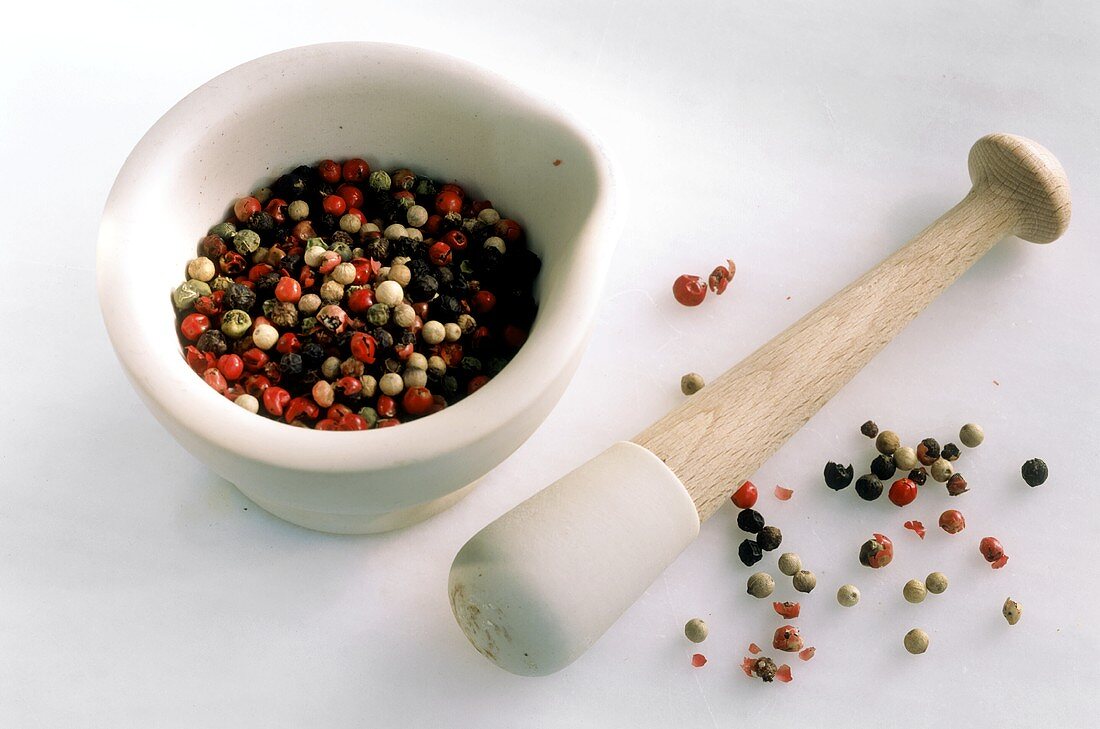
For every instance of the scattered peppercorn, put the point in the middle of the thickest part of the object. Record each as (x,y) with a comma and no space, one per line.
(883,466)
(838,477)
(760,585)
(763,668)
(787,638)
(804,581)
(1012,611)
(956,484)
(887,442)
(941,470)
(868,487)
(749,552)
(789,563)
(869,429)
(994,553)
(876,552)
(952,521)
(914,591)
(691,383)
(303,271)
(928,450)
(769,538)
(902,492)
(905,458)
(689,290)
(971,435)
(696,630)
(847,595)
(936,582)
(951,452)
(916,641)
(919,476)
(1034,472)
(698,660)
(787,610)
(750,520)
(745,496)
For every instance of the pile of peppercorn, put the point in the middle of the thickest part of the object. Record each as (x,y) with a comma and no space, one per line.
(345,299)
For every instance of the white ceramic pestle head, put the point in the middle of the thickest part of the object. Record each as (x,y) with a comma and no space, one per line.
(534,589)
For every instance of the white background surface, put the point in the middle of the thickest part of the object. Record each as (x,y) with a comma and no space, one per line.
(138,589)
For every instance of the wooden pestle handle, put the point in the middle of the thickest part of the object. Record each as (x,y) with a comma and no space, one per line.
(721,435)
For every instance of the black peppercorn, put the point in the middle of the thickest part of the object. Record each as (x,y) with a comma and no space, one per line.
(212,341)
(750,520)
(426,187)
(883,467)
(470,365)
(267,282)
(239,296)
(377,248)
(312,354)
(423,287)
(950,452)
(838,477)
(769,538)
(749,552)
(291,186)
(918,475)
(868,487)
(447,308)
(869,429)
(328,222)
(342,237)
(391,365)
(450,384)
(383,339)
(290,364)
(261,222)
(928,451)
(1034,472)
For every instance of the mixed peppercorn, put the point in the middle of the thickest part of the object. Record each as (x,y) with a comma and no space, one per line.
(347,299)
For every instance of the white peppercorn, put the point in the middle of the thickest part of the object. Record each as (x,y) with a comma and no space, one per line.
(414,377)
(437,366)
(451,332)
(331,292)
(331,367)
(916,641)
(389,293)
(201,269)
(433,332)
(905,458)
(309,304)
(417,215)
(914,591)
(400,273)
(343,274)
(404,316)
(466,323)
(248,402)
(847,595)
(370,385)
(789,563)
(941,470)
(417,361)
(971,435)
(887,442)
(323,394)
(298,210)
(691,383)
(805,581)
(696,630)
(394,231)
(350,223)
(391,384)
(489,216)
(414,234)
(314,255)
(265,336)
(1012,611)
(936,583)
(495,242)
(761,584)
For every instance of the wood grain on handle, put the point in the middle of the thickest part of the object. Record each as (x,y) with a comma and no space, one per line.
(721,435)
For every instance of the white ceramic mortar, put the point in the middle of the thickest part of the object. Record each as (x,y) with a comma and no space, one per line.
(395,106)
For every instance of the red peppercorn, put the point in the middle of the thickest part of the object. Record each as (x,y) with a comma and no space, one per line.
(365,269)
(720,278)
(351,195)
(386,406)
(245,208)
(417,400)
(288,290)
(231,263)
(299,407)
(404,351)
(276,208)
(213,247)
(455,239)
(689,290)
(698,660)
(952,521)
(433,224)
(348,385)
(363,347)
(193,325)
(353,421)
(787,638)
(745,497)
(484,301)
(993,552)
(306,277)
(275,400)
(353,210)
(360,300)
(476,384)
(259,271)
(208,305)
(303,231)
(254,359)
(334,205)
(233,392)
(337,411)
(903,492)
(356,169)
(215,379)
(231,366)
(509,230)
(478,205)
(387,423)
(288,344)
(447,202)
(255,385)
(198,360)
(440,254)
(451,353)
(788,610)
(329,171)
(327,424)
(514,336)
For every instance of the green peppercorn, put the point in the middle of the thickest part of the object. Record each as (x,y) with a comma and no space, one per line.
(750,520)
(379,180)
(869,429)
(246,241)
(696,630)
(1034,472)
(691,383)
(235,323)
(769,538)
(378,314)
(225,231)
(760,585)
(914,591)
(868,487)
(838,477)
(916,641)
(220,283)
(883,466)
(936,583)
(188,292)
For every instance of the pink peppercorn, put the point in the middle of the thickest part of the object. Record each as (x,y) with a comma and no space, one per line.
(215,379)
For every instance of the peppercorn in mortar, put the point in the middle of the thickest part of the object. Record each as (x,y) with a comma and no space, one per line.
(348,299)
